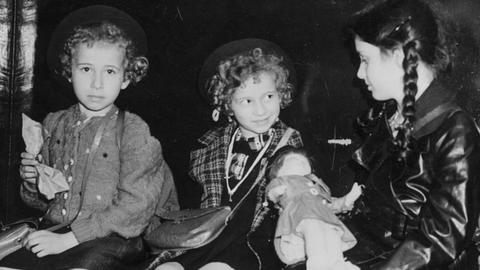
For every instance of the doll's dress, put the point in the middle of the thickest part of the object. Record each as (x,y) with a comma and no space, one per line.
(306,197)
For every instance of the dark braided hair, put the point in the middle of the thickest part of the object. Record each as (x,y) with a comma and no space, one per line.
(412,26)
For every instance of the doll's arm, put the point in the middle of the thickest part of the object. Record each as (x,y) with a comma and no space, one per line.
(345,203)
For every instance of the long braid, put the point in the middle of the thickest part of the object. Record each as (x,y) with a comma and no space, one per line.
(410,63)
(413,26)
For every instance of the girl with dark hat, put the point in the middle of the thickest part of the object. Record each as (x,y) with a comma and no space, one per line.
(248,83)
(114,167)
(421,203)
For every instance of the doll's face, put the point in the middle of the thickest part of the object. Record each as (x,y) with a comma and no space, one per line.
(256,104)
(294,164)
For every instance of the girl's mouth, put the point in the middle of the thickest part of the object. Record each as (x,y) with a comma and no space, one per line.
(95,98)
(262,121)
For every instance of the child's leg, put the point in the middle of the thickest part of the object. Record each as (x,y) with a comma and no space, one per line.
(216,266)
(170,266)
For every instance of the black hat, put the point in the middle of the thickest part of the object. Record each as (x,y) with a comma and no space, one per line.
(94,14)
(232,48)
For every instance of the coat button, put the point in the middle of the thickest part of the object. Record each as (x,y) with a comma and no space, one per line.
(64,212)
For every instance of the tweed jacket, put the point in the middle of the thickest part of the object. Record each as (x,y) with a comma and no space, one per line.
(126,186)
(207,164)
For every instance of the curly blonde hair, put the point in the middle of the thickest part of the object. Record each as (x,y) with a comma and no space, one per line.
(137,66)
(235,70)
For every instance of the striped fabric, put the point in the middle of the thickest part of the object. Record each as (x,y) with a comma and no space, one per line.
(207,164)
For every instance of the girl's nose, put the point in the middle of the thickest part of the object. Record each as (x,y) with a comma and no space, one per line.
(361,72)
(97,81)
(260,108)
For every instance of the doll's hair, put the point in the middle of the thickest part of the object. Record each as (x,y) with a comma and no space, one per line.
(89,34)
(234,71)
(412,26)
(276,161)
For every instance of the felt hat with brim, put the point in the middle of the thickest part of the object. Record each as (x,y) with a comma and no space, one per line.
(91,15)
(233,48)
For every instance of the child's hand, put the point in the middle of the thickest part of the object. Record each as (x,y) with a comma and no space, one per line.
(44,243)
(353,195)
(28,172)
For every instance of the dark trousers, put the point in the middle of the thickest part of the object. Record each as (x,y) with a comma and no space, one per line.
(111,252)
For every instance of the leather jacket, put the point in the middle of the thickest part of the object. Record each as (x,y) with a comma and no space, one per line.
(429,201)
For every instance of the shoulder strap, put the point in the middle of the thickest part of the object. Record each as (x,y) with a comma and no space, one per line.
(119,126)
(283,141)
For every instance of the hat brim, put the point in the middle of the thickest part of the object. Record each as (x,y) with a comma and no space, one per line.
(90,15)
(232,48)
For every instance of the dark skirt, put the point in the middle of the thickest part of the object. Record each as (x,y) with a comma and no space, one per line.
(111,252)
(238,248)
(231,245)
(236,245)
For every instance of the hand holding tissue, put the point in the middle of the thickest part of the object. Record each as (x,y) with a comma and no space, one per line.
(50,180)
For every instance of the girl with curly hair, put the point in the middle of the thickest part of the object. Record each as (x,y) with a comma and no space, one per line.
(114,168)
(248,84)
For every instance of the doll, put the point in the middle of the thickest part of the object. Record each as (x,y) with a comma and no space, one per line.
(308,227)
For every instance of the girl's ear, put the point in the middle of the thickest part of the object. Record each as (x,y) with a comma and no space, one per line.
(398,56)
(124,84)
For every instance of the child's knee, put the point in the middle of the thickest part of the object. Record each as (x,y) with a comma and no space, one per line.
(216,266)
(170,266)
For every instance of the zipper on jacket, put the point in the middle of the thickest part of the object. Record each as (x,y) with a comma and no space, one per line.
(264,205)
(254,252)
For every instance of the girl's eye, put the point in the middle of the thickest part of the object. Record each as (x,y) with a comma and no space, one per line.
(245,101)
(85,69)
(111,71)
(270,96)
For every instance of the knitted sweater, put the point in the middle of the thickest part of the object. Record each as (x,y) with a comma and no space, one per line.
(126,186)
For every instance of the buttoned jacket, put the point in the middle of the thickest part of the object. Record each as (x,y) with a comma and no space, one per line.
(128,183)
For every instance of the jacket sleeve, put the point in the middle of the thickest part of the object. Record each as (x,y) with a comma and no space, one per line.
(28,192)
(448,218)
(146,186)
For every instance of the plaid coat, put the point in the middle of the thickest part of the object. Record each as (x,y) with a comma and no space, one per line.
(207,165)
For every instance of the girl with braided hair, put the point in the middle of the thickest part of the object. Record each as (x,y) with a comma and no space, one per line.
(421,202)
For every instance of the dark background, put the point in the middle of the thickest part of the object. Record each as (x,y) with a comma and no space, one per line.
(182,34)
